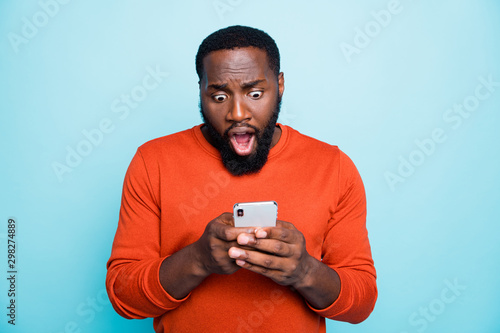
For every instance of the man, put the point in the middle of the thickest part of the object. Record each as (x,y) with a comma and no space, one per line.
(177,256)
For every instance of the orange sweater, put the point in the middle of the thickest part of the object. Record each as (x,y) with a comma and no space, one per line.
(176,184)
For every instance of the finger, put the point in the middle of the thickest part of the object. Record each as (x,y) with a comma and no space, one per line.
(229,234)
(262,232)
(269,271)
(266,271)
(284,232)
(279,248)
(237,253)
(226,218)
(246,239)
(286,225)
(274,247)
(256,258)
(222,228)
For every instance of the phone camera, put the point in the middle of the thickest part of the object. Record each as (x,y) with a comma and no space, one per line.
(239,212)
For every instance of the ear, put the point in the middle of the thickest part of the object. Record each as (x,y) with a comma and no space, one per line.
(281,83)
(202,80)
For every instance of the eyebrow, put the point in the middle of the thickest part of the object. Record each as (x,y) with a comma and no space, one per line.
(217,86)
(245,85)
(251,84)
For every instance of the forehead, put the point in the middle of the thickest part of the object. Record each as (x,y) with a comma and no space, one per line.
(223,64)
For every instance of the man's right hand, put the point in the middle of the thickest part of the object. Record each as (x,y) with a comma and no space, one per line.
(186,269)
(213,246)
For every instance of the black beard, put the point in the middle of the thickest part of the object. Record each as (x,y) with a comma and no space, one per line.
(244,165)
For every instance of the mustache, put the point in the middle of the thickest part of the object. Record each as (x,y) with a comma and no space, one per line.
(234,125)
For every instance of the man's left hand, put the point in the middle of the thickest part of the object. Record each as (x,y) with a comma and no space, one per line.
(276,252)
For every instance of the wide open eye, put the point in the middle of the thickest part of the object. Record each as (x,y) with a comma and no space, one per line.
(255,94)
(220,97)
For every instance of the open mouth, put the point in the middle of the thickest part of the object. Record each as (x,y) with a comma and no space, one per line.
(242,140)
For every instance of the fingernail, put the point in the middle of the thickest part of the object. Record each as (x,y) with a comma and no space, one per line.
(260,234)
(243,240)
(240,262)
(235,253)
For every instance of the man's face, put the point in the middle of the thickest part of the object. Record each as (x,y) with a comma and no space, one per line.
(239,100)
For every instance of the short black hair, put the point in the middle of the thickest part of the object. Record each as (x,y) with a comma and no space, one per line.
(238,36)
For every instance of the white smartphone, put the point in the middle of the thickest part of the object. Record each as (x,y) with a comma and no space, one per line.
(255,214)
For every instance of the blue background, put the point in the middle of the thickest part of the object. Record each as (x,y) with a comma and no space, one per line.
(374,88)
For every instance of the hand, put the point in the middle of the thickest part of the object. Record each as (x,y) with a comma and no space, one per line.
(212,247)
(276,252)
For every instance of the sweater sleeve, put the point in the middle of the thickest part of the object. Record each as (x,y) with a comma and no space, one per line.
(346,249)
(132,279)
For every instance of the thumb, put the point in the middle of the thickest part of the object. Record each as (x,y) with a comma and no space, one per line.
(226,218)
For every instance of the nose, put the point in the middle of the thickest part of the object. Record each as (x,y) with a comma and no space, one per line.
(238,111)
